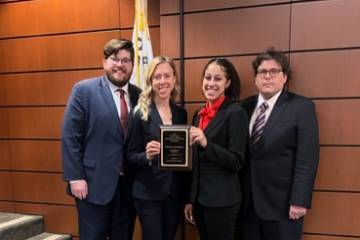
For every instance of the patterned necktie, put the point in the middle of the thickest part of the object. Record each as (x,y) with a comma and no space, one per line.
(259,124)
(124,114)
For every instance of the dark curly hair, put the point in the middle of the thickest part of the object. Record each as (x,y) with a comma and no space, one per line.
(272,54)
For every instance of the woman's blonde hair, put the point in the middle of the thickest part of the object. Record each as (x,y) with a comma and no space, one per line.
(147,95)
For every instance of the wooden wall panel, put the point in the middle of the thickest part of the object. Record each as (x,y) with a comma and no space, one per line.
(194,69)
(6,186)
(325,24)
(199,5)
(29,155)
(191,108)
(326,74)
(5,162)
(4,131)
(334,214)
(32,122)
(58,219)
(169,36)
(205,33)
(127,16)
(339,169)
(74,51)
(191,232)
(337,120)
(154,36)
(169,6)
(7,206)
(40,188)
(57,16)
(28,88)
(319,237)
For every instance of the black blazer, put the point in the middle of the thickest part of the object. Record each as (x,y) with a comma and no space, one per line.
(92,139)
(282,166)
(150,182)
(216,167)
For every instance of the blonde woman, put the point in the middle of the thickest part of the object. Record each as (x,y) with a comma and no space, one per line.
(157,194)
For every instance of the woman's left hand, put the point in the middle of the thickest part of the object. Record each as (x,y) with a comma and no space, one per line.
(197,136)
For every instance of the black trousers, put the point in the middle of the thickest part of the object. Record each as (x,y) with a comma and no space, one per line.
(115,220)
(216,223)
(256,228)
(159,219)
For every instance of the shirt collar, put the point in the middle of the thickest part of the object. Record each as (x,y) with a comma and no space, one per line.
(115,88)
(270,101)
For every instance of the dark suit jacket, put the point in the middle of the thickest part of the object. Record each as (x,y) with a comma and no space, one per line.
(151,183)
(283,163)
(216,167)
(92,139)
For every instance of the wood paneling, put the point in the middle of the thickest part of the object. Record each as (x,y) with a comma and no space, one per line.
(326,74)
(127,16)
(339,169)
(191,108)
(154,36)
(337,120)
(6,186)
(5,162)
(334,213)
(256,29)
(169,6)
(169,36)
(317,237)
(32,122)
(28,89)
(41,188)
(35,155)
(74,51)
(4,131)
(7,206)
(194,69)
(58,219)
(191,232)
(198,5)
(325,24)
(57,16)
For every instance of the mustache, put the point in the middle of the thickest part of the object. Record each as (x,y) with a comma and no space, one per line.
(120,69)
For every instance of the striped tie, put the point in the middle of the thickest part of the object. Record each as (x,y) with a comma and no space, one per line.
(259,124)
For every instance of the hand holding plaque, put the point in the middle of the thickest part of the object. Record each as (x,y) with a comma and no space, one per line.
(175,151)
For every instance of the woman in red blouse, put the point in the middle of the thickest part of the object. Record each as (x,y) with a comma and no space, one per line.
(219,136)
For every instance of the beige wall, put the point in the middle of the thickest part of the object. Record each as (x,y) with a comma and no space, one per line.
(48,45)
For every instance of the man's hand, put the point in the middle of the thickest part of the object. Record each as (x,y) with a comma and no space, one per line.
(296,212)
(79,189)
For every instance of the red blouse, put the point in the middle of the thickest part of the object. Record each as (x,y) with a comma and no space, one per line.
(208,112)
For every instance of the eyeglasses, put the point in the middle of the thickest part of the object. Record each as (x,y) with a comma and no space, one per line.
(273,72)
(124,61)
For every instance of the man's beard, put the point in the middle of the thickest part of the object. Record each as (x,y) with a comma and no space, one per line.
(116,82)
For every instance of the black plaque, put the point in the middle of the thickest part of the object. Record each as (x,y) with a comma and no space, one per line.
(175,151)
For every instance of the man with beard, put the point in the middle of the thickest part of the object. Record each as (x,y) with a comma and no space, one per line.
(94,130)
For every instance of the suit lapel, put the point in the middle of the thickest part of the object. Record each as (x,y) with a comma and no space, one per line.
(109,103)
(279,107)
(133,94)
(175,114)
(154,114)
(249,105)
(218,117)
